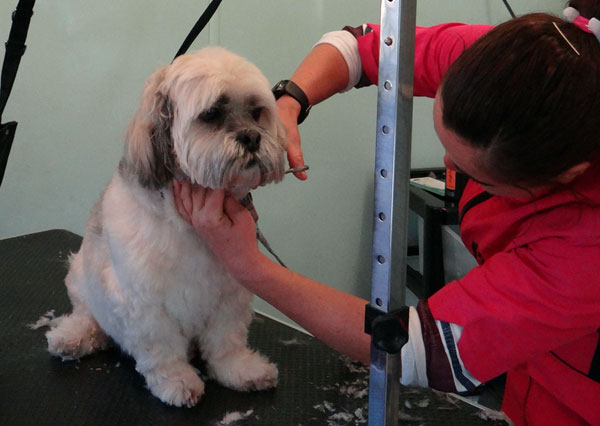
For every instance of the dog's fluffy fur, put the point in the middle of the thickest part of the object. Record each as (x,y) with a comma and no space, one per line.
(142,275)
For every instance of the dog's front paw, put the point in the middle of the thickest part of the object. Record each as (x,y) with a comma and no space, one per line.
(265,377)
(179,386)
(245,371)
(75,336)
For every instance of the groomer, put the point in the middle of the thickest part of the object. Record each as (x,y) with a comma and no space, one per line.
(516,108)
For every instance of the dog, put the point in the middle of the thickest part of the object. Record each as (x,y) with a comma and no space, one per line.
(142,276)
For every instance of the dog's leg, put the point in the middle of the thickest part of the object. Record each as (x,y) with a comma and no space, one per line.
(232,363)
(169,376)
(75,335)
(78,334)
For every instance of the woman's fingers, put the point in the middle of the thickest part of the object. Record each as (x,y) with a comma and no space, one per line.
(190,201)
(296,161)
(232,207)
(198,196)
(186,198)
(181,194)
(288,110)
(222,222)
(206,208)
(294,152)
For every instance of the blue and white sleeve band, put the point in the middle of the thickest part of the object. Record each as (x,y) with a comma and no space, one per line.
(414,357)
(347,45)
(463,379)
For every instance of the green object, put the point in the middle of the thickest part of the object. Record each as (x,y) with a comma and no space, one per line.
(429,184)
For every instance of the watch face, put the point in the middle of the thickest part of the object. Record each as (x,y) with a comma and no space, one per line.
(279,89)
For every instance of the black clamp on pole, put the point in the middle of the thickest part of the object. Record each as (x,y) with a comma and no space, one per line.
(389,331)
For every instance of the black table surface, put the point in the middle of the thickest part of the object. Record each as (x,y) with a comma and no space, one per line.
(316,386)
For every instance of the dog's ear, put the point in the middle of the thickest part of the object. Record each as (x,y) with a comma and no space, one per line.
(149,151)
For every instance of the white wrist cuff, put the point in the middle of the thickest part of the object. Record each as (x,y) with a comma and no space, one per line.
(414,367)
(347,45)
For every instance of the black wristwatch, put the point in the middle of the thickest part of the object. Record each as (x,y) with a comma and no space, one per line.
(288,87)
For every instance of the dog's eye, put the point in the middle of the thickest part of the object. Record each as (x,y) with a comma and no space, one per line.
(256,112)
(210,115)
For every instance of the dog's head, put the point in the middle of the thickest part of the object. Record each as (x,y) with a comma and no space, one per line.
(209,117)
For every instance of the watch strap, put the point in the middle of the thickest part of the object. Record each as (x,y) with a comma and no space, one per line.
(288,87)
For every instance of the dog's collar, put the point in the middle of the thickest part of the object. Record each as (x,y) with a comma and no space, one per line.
(247,202)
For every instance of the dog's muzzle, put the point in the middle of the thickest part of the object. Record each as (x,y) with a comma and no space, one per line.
(249,139)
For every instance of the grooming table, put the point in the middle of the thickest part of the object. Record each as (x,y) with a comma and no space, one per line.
(317,386)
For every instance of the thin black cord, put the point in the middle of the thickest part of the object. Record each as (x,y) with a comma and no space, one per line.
(509,8)
(198,27)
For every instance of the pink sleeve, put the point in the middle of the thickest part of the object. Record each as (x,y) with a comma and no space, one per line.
(435,49)
(523,303)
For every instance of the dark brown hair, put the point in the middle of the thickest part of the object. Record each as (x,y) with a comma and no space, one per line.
(523,95)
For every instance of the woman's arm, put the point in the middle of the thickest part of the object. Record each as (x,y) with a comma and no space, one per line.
(321,74)
(325,72)
(332,316)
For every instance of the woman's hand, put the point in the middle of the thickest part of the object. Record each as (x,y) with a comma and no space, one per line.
(288,109)
(335,317)
(222,222)
(321,74)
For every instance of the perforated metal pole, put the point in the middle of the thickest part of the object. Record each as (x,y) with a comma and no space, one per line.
(392,174)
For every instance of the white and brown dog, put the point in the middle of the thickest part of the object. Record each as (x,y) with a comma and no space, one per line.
(142,276)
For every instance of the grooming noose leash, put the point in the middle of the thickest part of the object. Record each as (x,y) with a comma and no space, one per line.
(249,205)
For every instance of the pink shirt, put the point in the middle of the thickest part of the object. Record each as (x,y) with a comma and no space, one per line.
(532,307)
(436,48)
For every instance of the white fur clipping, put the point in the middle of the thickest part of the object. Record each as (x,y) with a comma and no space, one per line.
(46,320)
(234,416)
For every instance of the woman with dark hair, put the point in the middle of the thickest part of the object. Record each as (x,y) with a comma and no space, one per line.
(517,109)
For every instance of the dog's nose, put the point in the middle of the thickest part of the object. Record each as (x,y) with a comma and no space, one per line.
(249,139)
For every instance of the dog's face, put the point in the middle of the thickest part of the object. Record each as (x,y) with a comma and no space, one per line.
(209,117)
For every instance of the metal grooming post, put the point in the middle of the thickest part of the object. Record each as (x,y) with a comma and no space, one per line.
(392,174)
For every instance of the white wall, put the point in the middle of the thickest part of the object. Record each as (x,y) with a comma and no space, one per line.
(82,75)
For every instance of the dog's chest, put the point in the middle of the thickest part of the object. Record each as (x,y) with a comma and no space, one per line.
(165,261)
(196,286)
